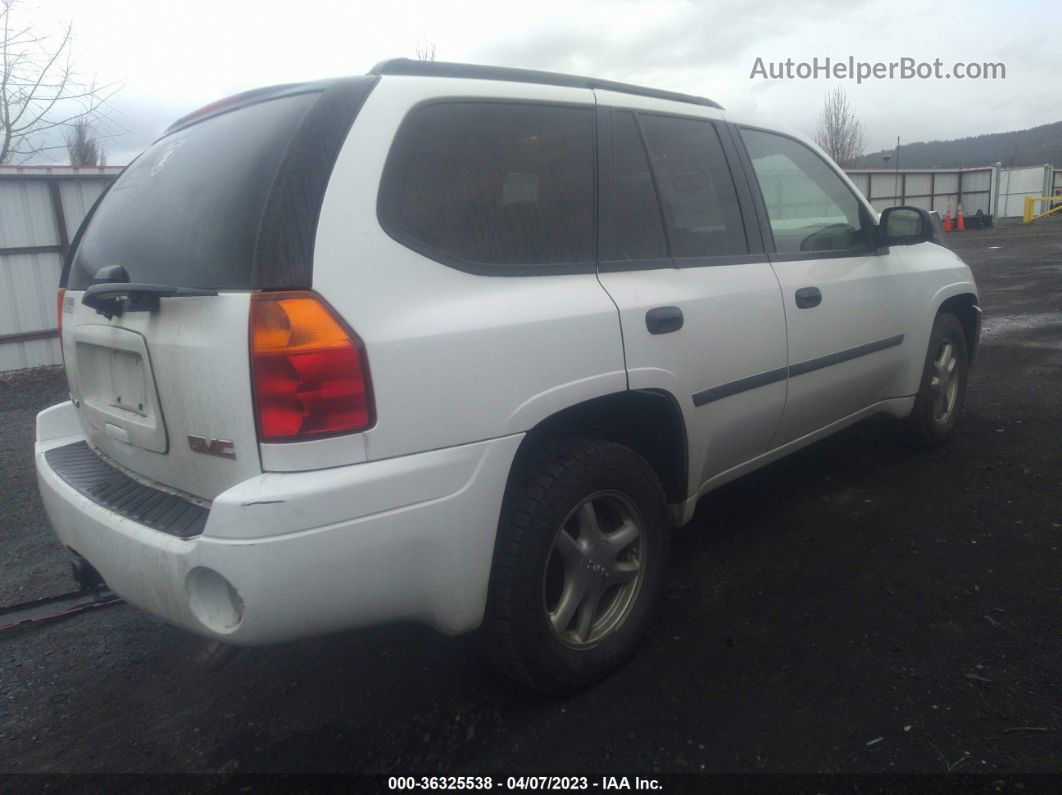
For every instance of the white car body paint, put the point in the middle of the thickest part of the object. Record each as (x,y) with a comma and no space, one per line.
(397,523)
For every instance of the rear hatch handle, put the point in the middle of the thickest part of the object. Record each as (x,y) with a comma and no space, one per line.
(114,298)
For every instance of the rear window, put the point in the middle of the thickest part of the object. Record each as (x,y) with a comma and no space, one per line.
(496,184)
(187,212)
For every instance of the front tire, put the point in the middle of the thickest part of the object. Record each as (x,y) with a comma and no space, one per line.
(942,393)
(579,563)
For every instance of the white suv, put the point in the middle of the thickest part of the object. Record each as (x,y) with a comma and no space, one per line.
(456,345)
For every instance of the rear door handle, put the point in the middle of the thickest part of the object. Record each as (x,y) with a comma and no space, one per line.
(807,297)
(663,319)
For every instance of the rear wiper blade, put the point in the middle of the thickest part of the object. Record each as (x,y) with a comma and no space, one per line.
(114,298)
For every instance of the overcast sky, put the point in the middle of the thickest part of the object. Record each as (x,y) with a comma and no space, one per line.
(173,57)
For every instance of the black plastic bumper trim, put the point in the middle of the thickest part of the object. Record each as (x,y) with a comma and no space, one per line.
(88,474)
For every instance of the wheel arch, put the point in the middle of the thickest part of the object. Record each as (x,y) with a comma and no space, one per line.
(966,308)
(649,421)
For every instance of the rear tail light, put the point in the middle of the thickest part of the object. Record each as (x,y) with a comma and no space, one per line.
(309,371)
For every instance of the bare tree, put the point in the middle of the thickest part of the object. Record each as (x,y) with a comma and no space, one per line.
(83,147)
(39,91)
(838,131)
(426,51)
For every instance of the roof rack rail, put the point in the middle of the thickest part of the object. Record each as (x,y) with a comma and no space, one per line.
(407,66)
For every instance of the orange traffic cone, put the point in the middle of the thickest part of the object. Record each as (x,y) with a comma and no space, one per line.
(959,225)
(947,219)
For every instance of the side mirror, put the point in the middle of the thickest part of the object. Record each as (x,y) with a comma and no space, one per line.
(905,226)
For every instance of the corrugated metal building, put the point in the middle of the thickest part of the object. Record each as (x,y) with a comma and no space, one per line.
(41,208)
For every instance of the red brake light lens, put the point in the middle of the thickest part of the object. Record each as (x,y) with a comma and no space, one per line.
(221,104)
(309,371)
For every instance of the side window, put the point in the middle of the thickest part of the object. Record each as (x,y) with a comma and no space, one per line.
(493,183)
(809,207)
(631,225)
(696,190)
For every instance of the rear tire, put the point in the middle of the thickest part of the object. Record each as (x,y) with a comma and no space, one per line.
(579,563)
(942,393)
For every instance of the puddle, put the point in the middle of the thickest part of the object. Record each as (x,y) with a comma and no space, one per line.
(999,328)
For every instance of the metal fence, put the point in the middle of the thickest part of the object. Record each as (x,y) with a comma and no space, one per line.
(41,208)
(930,189)
(1017,183)
(992,190)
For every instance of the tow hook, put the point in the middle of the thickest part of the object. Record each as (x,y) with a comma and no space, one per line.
(85,576)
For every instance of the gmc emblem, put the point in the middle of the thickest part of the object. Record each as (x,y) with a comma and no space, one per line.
(223,448)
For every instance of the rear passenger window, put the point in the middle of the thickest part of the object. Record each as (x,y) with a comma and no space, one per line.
(631,225)
(696,190)
(493,183)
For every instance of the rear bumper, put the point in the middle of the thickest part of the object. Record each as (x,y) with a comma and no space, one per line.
(287,555)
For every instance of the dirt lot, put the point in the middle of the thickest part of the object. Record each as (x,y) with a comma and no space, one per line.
(859,607)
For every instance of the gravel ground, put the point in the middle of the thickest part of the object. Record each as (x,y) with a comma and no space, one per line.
(858,607)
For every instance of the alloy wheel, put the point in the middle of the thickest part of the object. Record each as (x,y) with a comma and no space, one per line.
(944,383)
(594,570)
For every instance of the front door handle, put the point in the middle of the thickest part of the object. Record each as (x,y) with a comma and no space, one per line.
(663,319)
(807,297)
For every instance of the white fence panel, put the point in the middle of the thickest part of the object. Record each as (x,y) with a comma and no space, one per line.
(884,185)
(78,197)
(972,202)
(942,202)
(29,284)
(861,181)
(40,211)
(26,215)
(946,183)
(977,180)
(1017,183)
(920,185)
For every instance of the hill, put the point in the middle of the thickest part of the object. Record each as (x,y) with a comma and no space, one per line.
(1031,147)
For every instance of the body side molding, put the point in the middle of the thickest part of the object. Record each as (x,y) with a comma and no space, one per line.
(801,368)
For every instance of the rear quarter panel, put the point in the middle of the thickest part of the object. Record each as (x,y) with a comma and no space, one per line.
(454,357)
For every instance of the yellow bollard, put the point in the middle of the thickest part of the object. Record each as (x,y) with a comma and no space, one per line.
(1030,215)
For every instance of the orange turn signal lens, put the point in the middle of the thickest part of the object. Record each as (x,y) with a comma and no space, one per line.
(309,370)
